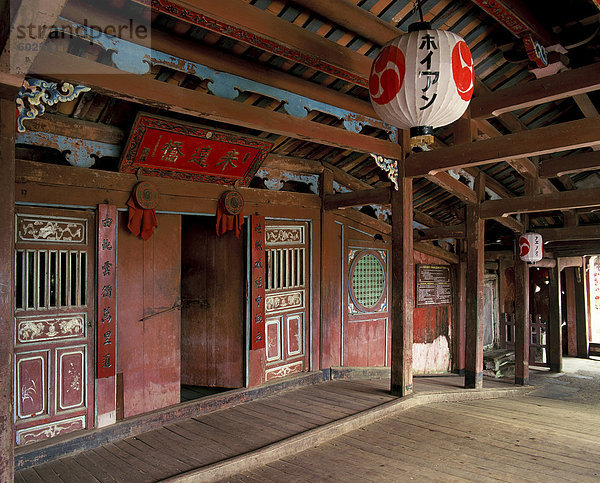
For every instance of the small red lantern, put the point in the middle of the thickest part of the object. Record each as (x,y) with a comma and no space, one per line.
(422,80)
(531,247)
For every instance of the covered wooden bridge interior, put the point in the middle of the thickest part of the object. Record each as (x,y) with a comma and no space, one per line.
(295,75)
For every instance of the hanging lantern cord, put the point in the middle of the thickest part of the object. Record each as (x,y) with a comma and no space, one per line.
(420,10)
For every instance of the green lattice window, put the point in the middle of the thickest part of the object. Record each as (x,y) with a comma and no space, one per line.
(368,281)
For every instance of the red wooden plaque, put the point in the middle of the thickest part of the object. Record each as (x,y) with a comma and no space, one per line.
(257,302)
(180,150)
(107,297)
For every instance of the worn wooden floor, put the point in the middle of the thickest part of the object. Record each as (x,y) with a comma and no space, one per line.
(518,439)
(480,440)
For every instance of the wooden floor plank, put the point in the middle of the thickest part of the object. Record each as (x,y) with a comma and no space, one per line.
(99,470)
(275,418)
(121,465)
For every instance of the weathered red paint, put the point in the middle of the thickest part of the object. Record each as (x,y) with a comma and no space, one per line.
(149,350)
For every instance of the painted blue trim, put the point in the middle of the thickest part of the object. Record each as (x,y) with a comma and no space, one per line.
(80,150)
(360,231)
(136,59)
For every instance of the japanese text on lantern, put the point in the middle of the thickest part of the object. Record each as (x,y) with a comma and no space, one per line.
(106,270)
(257,302)
(427,77)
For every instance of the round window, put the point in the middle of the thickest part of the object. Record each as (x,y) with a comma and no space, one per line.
(367,282)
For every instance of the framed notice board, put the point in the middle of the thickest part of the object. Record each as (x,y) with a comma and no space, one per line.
(434,285)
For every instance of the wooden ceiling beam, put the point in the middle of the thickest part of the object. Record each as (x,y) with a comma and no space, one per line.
(429,249)
(223,61)
(245,23)
(377,196)
(565,200)
(516,17)
(544,140)
(576,163)
(454,186)
(510,223)
(571,233)
(349,15)
(551,88)
(147,91)
(439,232)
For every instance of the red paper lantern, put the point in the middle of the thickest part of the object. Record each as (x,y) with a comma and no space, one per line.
(531,247)
(422,80)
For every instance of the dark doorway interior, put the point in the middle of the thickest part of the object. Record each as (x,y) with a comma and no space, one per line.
(212,313)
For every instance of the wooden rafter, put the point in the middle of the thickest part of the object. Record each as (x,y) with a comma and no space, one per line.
(566,200)
(246,23)
(549,139)
(571,233)
(547,89)
(378,196)
(576,163)
(173,98)
(440,232)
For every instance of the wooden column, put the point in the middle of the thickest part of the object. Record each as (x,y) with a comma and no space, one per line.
(7,217)
(554,355)
(326,299)
(581,313)
(475,289)
(522,329)
(460,308)
(402,287)
(571,311)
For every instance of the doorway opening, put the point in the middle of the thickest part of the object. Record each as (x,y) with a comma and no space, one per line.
(212,309)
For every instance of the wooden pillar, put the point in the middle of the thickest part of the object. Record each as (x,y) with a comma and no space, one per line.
(554,355)
(7,217)
(475,290)
(571,311)
(460,308)
(402,287)
(326,299)
(581,313)
(522,330)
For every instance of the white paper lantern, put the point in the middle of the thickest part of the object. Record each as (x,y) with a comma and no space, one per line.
(531,247)
(422,80)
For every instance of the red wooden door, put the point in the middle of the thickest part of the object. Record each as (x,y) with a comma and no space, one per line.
(212,317)
(286,298)
(148,326)
(54,314)
(366,335)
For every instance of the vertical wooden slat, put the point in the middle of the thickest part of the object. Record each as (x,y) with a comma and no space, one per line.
(402,287)
(460,272)
(581,314)
(326,286)
(475,290)
(522,326)
(554,355)
(7,217)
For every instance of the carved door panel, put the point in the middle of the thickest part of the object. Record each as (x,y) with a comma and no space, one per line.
(366,329)
(54,311)
(286,298)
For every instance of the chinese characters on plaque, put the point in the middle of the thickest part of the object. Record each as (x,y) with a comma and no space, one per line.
(106,328)
(180,150)
(257,302)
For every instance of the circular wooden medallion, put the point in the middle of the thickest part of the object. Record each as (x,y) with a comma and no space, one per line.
(233,202)
(146,195)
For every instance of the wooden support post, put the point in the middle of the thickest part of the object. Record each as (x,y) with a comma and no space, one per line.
(7,217)
(554,356)
(326,296)
(581,313)
(475,290)
(521,319)
(402,287)
(460,306)
(571,311)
